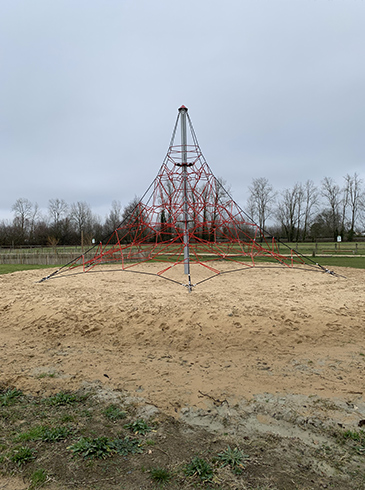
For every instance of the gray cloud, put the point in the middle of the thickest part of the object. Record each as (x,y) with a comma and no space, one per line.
(90,92)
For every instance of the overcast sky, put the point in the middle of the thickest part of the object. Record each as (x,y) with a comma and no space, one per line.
(89,93)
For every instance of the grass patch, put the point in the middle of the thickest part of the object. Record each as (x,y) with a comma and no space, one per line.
(354,435)
(37,479)
(355,262)
(127,445)
(160,475)
(234,458)
(103,451)
(69,417)
(325,247)
(22,455)
(113,412)
(9,268)
(9,397)
(46,434)
(139,426)
(200,468)
(353,439)
(47,375)
(103,447)
(88,448)
(63,398)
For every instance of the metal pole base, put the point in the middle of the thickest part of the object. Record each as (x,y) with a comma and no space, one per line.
(189,286)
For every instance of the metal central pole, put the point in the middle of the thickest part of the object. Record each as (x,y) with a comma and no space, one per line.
(184,162)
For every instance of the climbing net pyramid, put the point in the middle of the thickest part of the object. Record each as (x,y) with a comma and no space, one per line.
(185,218)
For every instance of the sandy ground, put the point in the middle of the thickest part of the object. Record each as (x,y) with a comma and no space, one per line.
(277,330)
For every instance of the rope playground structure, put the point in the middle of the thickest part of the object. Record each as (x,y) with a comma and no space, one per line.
(186,218)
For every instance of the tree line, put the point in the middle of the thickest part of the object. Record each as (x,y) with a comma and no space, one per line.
(63,224)
(308,212)
(302,212)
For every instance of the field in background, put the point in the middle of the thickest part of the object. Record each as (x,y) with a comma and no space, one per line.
(355,248)
(9,268)
(329,262)
(329,254)
(326,248)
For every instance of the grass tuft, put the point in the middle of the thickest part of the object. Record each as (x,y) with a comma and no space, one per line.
(89,448)
(46,434)
(354,435)
(127,446)
(103,447)
(139,426)
(9,397)
(200,468)
(22,455)
(113,412)
(47,375)
(37,479)
(233,458)
(357,438)
(63,398)
(160,475)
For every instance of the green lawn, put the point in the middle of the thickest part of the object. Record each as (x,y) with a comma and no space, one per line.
(9,268)
(356,248)
(344,248)
(357,262)
(327,254)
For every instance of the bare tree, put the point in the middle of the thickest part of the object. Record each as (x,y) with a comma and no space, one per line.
(81,215)
(221,196)
(168,201)
(290,212)
(322,225)
(35,216)
(167,213)
(355,199)
(311,197)
(207,207)
(164,231)
(23,212)
(57,210)
(261,200)
(114,217)
(208,202)
(332,193)
(6,233)
(133,220)
(361,218)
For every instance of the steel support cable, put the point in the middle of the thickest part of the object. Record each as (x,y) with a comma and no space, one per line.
(245,269)
(126,270)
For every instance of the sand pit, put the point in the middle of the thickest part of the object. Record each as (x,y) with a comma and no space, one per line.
(273,331)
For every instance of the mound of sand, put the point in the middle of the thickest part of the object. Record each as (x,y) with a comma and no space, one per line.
(263,330)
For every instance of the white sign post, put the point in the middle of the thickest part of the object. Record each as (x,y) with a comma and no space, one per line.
(339,241)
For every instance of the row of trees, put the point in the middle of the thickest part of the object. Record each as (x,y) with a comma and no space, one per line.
(303,212)
(306,211)
(62,225)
